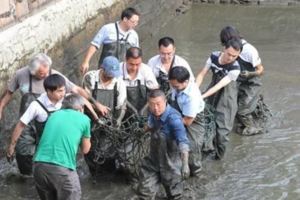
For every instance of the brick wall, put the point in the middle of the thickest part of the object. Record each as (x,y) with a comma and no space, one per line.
(14,10)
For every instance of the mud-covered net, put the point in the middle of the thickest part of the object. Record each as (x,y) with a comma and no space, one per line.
(127,144)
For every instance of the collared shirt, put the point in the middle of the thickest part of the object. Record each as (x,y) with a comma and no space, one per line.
(21,81)
(231,70)
(35,110)
(250,54)
(156,65)
(189,100)
(92,76)
(108,34)
(171,125)
(145,75)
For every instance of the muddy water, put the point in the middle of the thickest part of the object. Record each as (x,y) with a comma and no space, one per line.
(257,167)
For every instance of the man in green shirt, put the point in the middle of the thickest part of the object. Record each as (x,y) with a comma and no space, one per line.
(55,160)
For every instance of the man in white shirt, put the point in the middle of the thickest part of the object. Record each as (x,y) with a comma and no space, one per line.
(165,60)
(138,78)
(38,111)
(115,38)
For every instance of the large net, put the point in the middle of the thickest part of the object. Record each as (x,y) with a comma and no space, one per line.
(127,144)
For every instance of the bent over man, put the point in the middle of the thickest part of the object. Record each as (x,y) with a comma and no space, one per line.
(167,162)
(66,130)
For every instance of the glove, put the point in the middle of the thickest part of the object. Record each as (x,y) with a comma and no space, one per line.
(185,170)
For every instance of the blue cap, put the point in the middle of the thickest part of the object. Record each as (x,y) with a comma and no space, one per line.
(111,66)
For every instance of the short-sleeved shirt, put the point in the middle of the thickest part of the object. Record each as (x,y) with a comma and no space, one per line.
(35,110)
(93,76)
(171,125)
(62,137)
(156,65)
(250,54)
(21,81)
(108,34)
(189,100)
(231,70)
(145,75)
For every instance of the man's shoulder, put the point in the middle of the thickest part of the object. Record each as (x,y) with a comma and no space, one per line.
(23,71)
(153,61)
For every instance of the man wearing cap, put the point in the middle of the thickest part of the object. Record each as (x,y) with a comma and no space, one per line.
(107,87)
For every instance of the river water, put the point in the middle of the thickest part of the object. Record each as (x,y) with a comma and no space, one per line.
(257,167)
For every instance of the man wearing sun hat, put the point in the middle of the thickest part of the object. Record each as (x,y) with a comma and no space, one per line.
(106,86)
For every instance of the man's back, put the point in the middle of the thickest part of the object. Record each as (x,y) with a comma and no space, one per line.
(61,138)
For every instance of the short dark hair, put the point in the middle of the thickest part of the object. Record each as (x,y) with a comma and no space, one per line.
(156,93)
(179,73)
(134,52)
(228,33)
(166,41)
(129,12)
(54,81)
(234,43)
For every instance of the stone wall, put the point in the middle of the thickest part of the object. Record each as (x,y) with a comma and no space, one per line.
(258,2)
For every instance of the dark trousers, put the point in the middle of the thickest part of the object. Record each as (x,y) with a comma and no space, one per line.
(54,182)
(24,163)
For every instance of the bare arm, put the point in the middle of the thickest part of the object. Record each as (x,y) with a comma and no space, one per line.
(222,83)
(14,138)
(6,97)
(102,109)
(85,64)
(85,145)
(201,75)
(259,70)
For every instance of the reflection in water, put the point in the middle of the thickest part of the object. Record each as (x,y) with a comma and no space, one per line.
(256,167)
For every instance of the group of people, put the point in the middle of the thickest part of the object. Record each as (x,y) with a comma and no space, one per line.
(57,116)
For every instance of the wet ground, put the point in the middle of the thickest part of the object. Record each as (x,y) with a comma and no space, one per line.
(257,167)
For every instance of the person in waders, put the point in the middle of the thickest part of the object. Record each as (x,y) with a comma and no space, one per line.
(186,98)
(29,80)
(249,83)
(37,112)
(139,79)
(165,60)
(115,39)
(167,161)
(66,131)
(107,87)
(222,91)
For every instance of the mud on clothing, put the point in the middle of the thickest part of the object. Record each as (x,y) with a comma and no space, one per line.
(34,118)
(249,88)
(224,101)
(189,103)
(163,164)
(102,155)
(115,41)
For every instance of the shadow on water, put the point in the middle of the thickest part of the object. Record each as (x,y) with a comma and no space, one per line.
(257,167)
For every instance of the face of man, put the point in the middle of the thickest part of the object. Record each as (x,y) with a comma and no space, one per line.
(230,55)
(177,85)
(57,94)
(42,71)
(157,105)
(133,65)
(132,22)
(166,53)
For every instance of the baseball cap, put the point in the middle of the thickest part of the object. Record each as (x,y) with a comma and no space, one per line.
(111,66)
